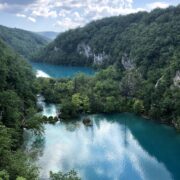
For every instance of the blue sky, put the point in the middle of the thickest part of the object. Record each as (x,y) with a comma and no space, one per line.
(61,15)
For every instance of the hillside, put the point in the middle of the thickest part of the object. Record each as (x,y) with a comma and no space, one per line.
(141,56)
(136,40)
(17,111)
(21,41)
(51,35)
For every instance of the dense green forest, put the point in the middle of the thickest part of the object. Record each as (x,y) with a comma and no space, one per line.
(113,90)
(145,40)
(18,91)
(23,42)
(139,58)
(143,51)
(18,111)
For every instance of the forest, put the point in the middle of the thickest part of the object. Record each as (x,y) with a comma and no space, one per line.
(138,62)
(18,111)
(112,90)
(22,42)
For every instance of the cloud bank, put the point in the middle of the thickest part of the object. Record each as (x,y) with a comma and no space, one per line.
(68,14)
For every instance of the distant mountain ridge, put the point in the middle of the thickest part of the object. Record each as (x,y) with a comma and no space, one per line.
(21,41)
(51,35)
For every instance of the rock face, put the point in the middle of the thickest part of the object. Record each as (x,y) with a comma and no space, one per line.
(127,62)
(86,50)
(177,79)
(56,49)
(87,122)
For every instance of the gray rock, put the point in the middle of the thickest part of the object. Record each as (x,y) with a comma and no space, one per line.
(176,79)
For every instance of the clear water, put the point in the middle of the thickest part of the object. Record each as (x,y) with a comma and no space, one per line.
(118,146)
(57,71)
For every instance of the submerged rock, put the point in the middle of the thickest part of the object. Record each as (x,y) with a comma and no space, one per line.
(87,122)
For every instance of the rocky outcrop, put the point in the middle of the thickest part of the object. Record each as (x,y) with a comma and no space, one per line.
(176,79)
(127,63)
(86,50)
(100,58)
(56,49)
(87,122)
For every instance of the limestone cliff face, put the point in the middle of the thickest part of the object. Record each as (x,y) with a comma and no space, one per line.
(86,50)
(177,79)
(127,62)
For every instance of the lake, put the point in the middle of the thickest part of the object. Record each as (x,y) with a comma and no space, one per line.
(57,71)
(117,146)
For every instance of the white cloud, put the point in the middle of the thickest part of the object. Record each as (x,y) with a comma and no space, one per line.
(68,14)
(21,15)
(32,19)
(157,5)
(67,23)
(84,11)
(44,12)
(3,6)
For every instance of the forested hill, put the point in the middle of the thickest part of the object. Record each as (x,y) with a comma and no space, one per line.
(17,111)
(141,39)
(23,42)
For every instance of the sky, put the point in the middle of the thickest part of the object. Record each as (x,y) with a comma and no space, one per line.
(61,15)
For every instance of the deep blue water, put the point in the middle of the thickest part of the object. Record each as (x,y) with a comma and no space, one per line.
(117,146)
(57,71)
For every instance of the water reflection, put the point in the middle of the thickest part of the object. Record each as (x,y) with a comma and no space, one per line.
(108,150)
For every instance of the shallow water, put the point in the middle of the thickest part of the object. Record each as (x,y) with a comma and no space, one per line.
(57,71)
(118,146)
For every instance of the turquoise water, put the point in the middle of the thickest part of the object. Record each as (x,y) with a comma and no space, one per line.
(57,71)
(118,146)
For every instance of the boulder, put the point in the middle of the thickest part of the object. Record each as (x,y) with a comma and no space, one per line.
(87,122)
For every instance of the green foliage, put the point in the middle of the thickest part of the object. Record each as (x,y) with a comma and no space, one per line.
(21,165)
(80,102)
(138,106)
(120,38)
(68,110)
(17,108)
(23,42)
(114,90)
(4,175)
(143,51)
(71,175)
(20,178)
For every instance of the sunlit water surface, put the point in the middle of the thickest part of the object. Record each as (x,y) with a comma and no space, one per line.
(118,146)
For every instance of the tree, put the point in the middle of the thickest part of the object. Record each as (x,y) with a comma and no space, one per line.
(80,102)
(4,175)
(71,175)
(138,106)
